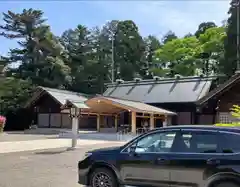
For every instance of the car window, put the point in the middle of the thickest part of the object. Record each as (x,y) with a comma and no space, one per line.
(197,142)
(230,143)
(156,142)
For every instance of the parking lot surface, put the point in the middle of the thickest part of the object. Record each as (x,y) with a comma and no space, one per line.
(20,136)
(43,168)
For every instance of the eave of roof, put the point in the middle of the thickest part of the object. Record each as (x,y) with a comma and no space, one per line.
(61,96)
(132,105)
(221,88)
(76,104)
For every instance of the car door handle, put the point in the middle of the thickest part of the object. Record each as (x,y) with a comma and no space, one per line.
(213,161)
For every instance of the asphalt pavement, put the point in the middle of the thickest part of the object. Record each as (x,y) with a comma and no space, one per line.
(43,168)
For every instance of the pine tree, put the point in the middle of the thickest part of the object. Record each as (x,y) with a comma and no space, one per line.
(229,65)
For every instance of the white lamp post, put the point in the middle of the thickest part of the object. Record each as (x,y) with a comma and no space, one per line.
(74,109)
(74,112)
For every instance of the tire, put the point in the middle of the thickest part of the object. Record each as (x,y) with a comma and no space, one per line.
(227,184)
(103,177)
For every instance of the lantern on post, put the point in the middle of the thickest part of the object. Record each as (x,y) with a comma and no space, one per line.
(74,112)
(74,109)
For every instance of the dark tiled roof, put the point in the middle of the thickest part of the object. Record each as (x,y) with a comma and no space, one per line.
(170,90)
(220,89)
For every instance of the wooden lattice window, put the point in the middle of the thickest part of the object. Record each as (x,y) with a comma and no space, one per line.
(225,117)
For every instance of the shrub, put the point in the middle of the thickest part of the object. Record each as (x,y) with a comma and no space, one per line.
(235,112)
(2,123)
(228,124)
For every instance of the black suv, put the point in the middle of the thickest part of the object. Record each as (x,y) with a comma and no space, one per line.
(176,156)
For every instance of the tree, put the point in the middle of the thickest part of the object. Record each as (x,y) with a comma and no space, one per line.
(188,35)
(212,45)
(203,27)
(178,57)
(101,60)
(39,52)
(25,26)
(151,45)
(14,93)
(129,50)
(229,65)
(169,36)
(76,43)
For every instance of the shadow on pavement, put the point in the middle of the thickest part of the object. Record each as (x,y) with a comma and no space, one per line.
(52,152)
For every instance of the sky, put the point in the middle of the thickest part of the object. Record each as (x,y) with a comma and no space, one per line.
(151,17)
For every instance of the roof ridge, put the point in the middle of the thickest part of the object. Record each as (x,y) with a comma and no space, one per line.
(164,81)
(119,98)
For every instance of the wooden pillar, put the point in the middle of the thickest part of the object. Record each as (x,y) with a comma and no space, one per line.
(116,122)
(152,125)
(102,121)
(98,122)
(134,125)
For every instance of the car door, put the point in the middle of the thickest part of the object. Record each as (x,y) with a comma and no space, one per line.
(145,161)
(194,157)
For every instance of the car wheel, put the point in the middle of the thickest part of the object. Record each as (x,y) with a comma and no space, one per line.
(227,184)
(102,177)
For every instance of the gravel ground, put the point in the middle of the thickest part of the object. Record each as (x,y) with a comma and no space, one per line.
(42,168)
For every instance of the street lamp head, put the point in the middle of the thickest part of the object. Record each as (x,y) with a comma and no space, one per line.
(72,111)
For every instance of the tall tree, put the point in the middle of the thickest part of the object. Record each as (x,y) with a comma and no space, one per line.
(177,57)
(129,50)
(203,27)
(169,36)
(39,49)
(151,45)
(229,65)
(76,42)
(212,50)
(14,93)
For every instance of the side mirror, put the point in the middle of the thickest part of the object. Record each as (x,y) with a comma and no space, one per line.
(131,150)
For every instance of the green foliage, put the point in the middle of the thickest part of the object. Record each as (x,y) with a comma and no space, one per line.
(191,55)
(14,93)
(203,27)
(235,111)
(179,56)
(39,52)
(229,64)
(227,124)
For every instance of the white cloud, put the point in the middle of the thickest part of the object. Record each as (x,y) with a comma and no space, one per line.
(157,17)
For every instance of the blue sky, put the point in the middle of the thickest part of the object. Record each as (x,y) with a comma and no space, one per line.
(152,17)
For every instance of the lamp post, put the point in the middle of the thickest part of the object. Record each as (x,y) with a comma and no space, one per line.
(74,112)
(112,69)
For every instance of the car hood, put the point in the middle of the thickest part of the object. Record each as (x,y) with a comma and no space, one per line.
(106,150)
